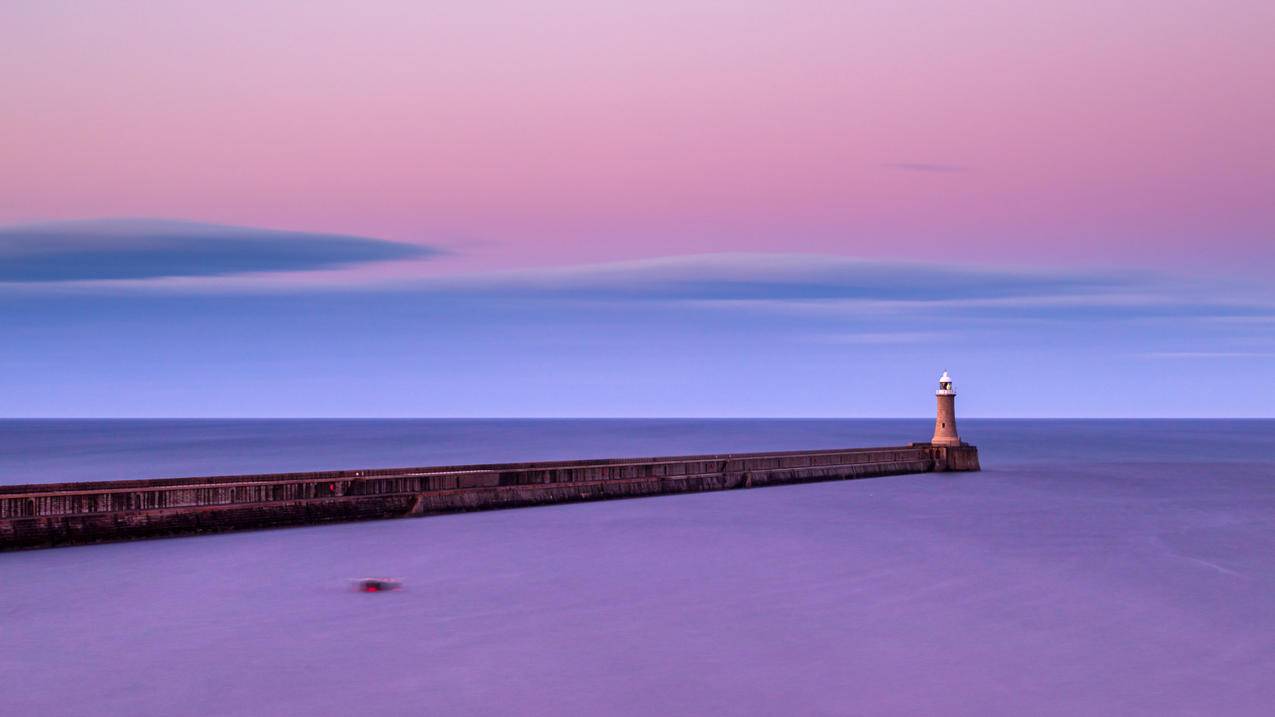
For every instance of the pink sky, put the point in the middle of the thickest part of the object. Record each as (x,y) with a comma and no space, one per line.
(562,132)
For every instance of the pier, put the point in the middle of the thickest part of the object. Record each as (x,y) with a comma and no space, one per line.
(45,515)
(51,514)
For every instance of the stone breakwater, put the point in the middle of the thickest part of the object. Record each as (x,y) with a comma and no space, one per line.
(45,515)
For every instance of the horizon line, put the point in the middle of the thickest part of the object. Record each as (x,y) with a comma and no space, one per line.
(630,418)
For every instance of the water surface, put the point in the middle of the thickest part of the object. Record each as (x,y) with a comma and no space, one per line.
(1094,567)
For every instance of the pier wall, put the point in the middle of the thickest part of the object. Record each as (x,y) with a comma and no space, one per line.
(39,515)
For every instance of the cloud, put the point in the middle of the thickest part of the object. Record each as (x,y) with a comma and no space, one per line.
(883,338)
(802,334)
(928,167)
(839,291)
(791,279)
(1249,319)
(832,291)
(1208,354)
(123,249)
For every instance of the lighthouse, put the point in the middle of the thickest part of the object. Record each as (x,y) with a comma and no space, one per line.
(945,423)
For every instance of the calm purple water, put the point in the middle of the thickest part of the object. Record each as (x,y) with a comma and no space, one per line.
(1094,567)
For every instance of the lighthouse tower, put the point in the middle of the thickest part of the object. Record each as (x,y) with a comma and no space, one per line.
(945,423)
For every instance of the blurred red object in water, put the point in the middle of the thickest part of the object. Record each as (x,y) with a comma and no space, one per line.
(376,585)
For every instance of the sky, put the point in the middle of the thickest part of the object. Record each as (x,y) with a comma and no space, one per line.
(691,208)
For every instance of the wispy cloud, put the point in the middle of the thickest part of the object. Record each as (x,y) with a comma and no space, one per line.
(928,167)
(1208,354)
(830,334)
(806,287)
(791,279)
(1247,319)
(833,289)
(142,249)
(883,338)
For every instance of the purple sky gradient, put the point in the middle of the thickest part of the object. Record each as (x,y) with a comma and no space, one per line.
(636,209)
(564,132)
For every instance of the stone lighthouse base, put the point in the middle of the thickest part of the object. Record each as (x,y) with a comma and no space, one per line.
(960,457)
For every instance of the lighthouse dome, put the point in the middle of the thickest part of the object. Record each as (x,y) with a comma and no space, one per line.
(945,386)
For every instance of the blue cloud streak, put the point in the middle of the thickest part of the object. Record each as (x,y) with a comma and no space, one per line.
(723,336)
(148,249)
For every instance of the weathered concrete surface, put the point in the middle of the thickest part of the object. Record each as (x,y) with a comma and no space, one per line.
(40,515)
(962,457)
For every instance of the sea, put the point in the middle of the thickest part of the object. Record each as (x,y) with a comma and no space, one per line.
(1094,567)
